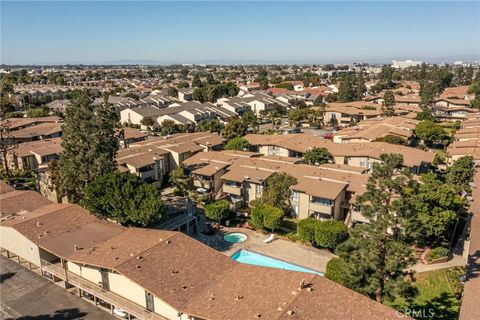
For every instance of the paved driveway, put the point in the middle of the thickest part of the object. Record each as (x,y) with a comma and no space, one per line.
(26,295)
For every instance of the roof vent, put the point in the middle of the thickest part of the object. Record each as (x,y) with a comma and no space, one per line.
(302,284)
(184,287)
(39,224)
(112,248)
(76,247)
(258,315)
(138,267)
(290,312)
(238,297)
(174,271)
(168,241)
(139,258)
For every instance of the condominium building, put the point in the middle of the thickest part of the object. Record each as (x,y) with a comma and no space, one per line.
(157,274)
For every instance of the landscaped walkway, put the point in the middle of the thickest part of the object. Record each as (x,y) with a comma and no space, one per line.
(285,250)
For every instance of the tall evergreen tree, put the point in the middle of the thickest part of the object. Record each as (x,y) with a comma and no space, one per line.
(376,254)
(388,103)
(89,145)
(346,90)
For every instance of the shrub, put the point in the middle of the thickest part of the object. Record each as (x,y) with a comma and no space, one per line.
(265,216)
(437,253)
(272,217)
(218,210)
(336,271)
(329,234)
(306,230)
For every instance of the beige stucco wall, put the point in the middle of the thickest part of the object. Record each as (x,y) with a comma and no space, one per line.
(165,310)
(13,241)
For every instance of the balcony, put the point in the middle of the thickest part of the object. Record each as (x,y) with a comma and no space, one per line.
(205,184)
(321,208)
(232,190)
(96,291)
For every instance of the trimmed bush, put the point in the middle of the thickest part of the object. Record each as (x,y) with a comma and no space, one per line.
(272,218)
(218,210)
(306,230)
(437,253)
(265,216)
(330,233)
(336,271)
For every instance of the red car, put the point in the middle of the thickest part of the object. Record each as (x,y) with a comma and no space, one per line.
(328,136)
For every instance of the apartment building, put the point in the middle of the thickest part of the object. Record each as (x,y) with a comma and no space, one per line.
(372,129)
(152,159)
(467,141)
(351,112)
(325,192)
(352,154)
(157,274)
(185,113)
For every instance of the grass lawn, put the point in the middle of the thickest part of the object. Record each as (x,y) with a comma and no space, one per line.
(438,291)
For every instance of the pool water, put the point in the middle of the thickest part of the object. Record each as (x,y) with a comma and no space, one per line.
(249,257)
(235,237)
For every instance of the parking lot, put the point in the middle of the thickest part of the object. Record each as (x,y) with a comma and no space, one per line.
(25,295)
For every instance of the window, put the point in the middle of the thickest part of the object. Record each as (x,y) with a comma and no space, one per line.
(233,184)
(295,196)
(322,201)
(259,189)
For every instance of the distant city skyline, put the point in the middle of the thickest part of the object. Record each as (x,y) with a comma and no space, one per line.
(231,32)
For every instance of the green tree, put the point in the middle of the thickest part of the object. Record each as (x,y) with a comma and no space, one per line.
(235,128)
(297,115)
(360,87)
(7,146)
(427,94)
(124,198)
(181,182)
(388,104)
(337,271)
(251,120)
(430,208)
(461,173)
(277,190)
(199,94)
(89,145)
(346,90)
(267,217)
(196,81)
(286,85)
(172,92)
(148,121)
(330,233)
(36,113)
(218,210)
(168,127)
(317,156)
(376,255)
(306,230)
(392,139)
(237,143)
(430,133)
(210,125)
(426,115)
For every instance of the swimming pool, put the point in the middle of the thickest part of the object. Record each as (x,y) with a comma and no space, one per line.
(249,257)
(235,237)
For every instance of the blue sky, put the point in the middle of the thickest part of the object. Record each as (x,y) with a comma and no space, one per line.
(277,32)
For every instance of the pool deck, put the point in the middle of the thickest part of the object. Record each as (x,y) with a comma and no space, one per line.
(285,250)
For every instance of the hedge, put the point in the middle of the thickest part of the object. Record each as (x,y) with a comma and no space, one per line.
(330,233)
(336,271)
(306,230)
(218,210)
(267,217)
(437,253)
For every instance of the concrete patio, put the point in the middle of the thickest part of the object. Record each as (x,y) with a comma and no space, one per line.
(285,250)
